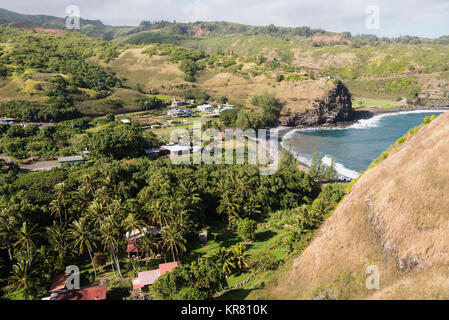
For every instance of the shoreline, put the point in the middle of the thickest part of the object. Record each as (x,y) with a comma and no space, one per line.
(362,115)
(359,115)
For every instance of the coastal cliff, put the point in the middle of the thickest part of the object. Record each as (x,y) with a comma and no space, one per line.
(332,109)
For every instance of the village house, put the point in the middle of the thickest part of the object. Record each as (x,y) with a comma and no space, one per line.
(178,103)
(58,291)
(7,120)
(205,108)
(179,112)
(147,278)
(70,160)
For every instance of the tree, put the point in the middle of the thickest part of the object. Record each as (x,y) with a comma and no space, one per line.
(110,233)
(120,140)
(25,277)
(247,229)
(317,167)
(56,235)
(83,238)
(25,239)
(99,259)
(228,206)
(9,223)
(271,107)
(173,241)
(228,117)
(331,173)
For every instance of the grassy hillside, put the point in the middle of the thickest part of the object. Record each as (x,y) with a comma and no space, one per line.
(406,67)
(94,28)
(372,68)
(48,76)
(395,217)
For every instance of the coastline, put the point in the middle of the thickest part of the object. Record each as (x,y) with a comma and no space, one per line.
(358,115)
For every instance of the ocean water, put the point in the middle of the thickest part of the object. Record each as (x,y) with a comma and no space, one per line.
(355,147)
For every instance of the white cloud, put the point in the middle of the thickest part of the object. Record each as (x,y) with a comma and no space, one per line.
(398,17)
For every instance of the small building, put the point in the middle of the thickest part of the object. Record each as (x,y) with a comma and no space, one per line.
(167,267)
(70,160)
(205,108)
(136,234)
(203,236)
(125,121)
(178,103)
(179,112)
(147,278)
(155,153)
(177,149)
(7,120)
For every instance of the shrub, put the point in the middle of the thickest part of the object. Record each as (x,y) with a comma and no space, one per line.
(247,229)
(264,261)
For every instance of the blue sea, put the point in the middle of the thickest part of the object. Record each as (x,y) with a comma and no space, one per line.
(355,147)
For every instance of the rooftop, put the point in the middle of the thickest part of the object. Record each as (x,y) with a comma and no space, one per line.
(71,159)
(167,267)
(146,278)
(91,293)
(58,282)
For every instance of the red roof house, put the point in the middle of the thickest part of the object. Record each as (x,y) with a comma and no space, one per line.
(131,246)
(136,284)
(167,267)
(91,293)
(146,278)
(58,282)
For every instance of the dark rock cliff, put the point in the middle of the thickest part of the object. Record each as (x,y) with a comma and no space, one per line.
(335,108)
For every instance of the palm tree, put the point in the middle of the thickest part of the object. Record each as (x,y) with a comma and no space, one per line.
(83,238)
(60,194)
(25,238)
(158,213)
(148,246)
(229,207)
(8,225)
(173,241)
(110,233)
(223,258)
(239,255)
(88,181)
(56,209)
(24,277)
(56,235)
(307,219)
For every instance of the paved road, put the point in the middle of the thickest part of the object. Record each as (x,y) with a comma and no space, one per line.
(36,166)
(40,165)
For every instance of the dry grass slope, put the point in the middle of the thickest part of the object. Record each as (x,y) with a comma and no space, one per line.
(396,217)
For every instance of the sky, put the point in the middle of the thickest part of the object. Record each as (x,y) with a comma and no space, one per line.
(390,18)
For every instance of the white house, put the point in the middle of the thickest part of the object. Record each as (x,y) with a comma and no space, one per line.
(7,120)
(205,108)
(226,107)
(125,121)
(179,112)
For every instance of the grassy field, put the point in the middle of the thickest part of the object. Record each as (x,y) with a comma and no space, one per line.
(376,103)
